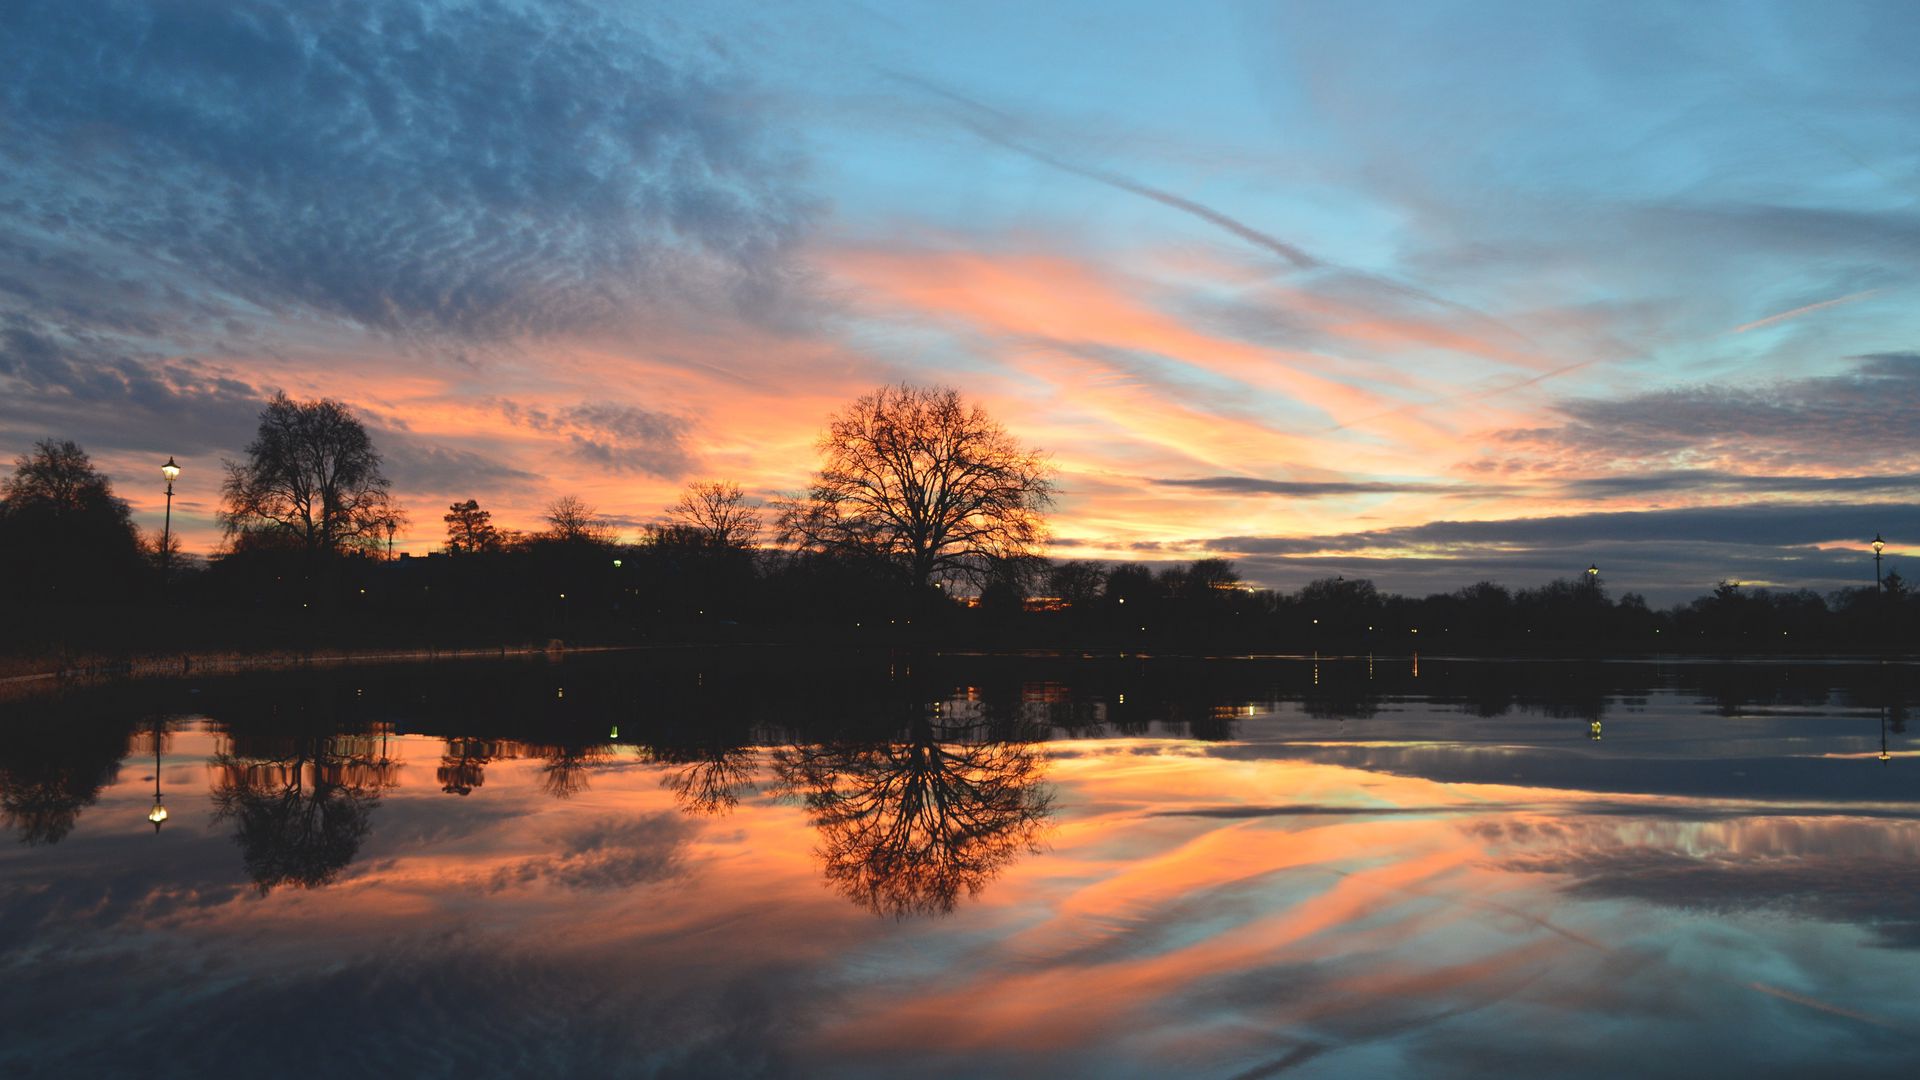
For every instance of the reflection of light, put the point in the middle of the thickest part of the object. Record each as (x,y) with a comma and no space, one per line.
(1593,731)
(158,814)
(615,733)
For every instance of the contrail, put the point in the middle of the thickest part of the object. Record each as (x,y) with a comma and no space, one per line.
(996,133)
(1799,311)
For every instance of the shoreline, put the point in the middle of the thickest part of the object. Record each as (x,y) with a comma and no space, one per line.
(175,665)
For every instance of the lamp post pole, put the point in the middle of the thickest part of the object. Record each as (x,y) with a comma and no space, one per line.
(157,815)
(170,471)
(1878,582)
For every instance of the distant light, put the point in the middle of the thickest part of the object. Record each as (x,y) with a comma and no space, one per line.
(616,564)
(1593,571)
(1123,599)
(560,692)
(615,733)
(172,473)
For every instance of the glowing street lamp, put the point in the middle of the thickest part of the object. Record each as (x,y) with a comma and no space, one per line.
(172,473)
(157,815)
(1878,546)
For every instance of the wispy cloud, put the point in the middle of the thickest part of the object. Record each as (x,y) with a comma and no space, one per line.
(1805,309)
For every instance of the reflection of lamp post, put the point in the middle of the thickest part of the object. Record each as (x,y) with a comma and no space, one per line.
(1884,756)
(171,472)
(157,815)
(1878,544)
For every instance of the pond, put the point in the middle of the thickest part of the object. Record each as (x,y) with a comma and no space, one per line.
(779,863)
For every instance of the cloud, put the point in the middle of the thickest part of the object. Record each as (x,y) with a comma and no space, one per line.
(104,398)
(1314,489)
(619,437)
(479,169)
(1771,525)
(1863,419)
(608,853)
(1711,481)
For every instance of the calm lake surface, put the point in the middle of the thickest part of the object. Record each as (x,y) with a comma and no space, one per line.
(768,863)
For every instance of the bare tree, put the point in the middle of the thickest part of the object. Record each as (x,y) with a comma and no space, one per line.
(312,474)
(917,477)
(718,512)
(571,521)
(470,529)
(908,826)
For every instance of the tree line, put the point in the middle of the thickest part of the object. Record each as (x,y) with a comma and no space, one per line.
(925,521)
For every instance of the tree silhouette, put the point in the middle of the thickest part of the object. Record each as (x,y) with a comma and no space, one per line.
(63,534)
(907,826)
(707,779)
(49,773)
(916,479)
(301,805)
(463,765)
(717,512)
(311,474)
(470,529)
(571,521)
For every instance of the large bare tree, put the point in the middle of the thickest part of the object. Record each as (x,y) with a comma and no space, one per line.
(921,479)
(312,474)
(717,512)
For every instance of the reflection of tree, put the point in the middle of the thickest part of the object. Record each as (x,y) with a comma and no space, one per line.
(302,804)
(565,773)
(51,772)
(708,779)
(907,826)
(463,765)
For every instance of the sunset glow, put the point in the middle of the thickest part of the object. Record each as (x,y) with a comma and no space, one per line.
(1452,292)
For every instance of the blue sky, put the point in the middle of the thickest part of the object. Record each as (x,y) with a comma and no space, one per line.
(1286,282)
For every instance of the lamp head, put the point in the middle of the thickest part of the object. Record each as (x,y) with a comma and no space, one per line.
(170,470)
(1878,543)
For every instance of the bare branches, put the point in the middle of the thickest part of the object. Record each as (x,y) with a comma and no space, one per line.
(312,474)
(917,478)
(718,513)
(572,521)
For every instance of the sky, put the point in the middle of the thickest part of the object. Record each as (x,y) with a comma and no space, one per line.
(1426,293)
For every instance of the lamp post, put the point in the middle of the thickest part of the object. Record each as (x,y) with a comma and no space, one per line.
(1593,575)
(1878,545)
(157,815)
(392,527)
(172,473)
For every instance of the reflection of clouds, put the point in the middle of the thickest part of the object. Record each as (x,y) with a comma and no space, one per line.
(608,853)
(1847,870)
(1196,913)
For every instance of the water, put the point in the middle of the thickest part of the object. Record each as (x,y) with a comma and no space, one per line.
(777,864)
